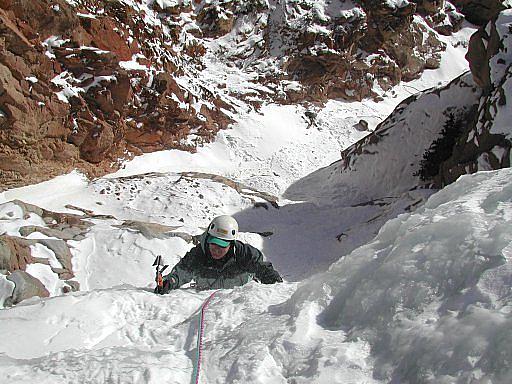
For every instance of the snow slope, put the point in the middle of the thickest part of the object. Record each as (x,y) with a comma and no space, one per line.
(386,163)
(267,151)
(428,300)
(432,291)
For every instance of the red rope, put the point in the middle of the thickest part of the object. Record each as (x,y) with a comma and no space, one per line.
(200,335)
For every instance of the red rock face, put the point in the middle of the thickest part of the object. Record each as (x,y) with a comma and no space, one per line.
(67,101)
(85,85)
(374,44)
(33,122)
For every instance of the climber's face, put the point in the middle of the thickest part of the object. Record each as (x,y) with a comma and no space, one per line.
(217,251)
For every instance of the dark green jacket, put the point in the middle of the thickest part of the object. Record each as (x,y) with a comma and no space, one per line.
(242,263)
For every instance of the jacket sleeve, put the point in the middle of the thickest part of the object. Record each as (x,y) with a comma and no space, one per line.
(182,272)
(251,260)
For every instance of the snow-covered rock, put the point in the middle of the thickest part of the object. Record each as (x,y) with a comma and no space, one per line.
(388,162)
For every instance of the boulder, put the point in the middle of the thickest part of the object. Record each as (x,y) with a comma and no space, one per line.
(479,12)
(98,141)
(104,35)
(26,286)
(6,290)
(63,255)
(483,45)
(430,7)
(215,21)
(72,286)
(15,253)
(149,230)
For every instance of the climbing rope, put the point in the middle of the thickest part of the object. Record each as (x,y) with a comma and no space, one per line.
(200,335)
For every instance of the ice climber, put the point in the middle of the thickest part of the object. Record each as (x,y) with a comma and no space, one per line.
(220,261)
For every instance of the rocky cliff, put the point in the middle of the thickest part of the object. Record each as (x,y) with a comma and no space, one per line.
(484,143)
(433,137)
(86,84)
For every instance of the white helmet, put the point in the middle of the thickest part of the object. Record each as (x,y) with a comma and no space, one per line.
(223,227)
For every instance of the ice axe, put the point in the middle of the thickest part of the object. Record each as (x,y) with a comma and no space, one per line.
(159,279)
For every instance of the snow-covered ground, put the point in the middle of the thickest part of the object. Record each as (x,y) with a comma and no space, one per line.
(433,287)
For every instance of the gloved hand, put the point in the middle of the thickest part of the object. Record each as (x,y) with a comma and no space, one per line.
(268,275)
(162,289)
(271,277)
(167,285)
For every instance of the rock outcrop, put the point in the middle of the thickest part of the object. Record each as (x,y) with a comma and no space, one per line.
(87,85)
(485,142)
(26,286)
(350,53)
(433,138)
(483,45)
(479,12)
(84,85)
(16,252)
